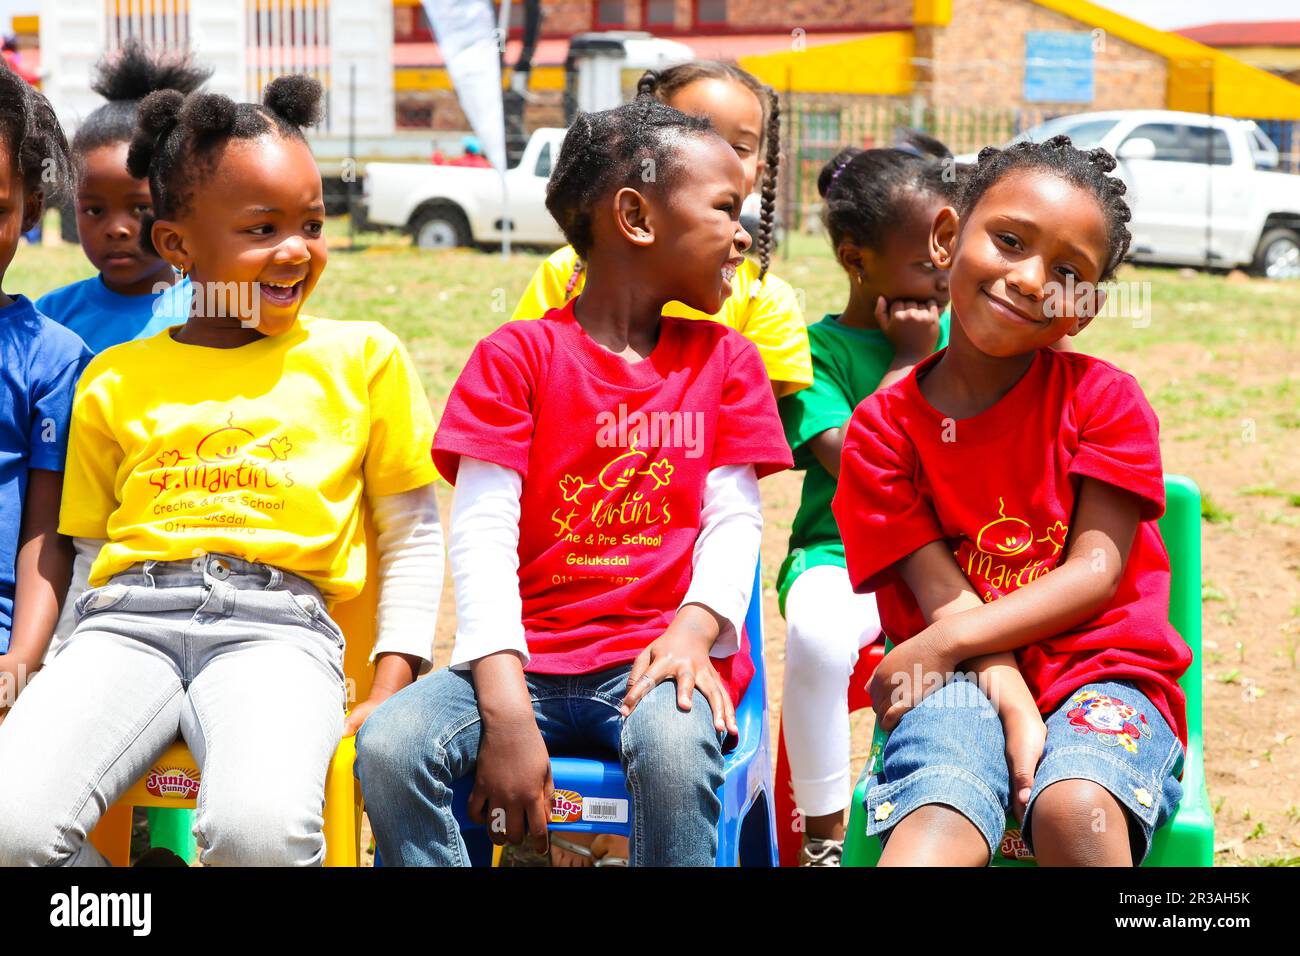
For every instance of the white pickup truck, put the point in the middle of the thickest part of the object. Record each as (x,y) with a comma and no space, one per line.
(1204,190)
(442,206)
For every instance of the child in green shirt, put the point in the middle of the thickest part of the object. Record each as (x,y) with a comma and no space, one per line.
(878,207)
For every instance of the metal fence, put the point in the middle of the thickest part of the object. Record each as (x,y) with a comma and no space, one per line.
(815,127)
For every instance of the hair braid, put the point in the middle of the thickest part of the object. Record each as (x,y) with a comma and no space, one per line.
(767,218)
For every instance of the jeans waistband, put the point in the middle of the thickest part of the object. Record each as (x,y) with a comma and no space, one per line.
(205,569)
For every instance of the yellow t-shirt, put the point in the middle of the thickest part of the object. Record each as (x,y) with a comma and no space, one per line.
(262,452)
(769,316)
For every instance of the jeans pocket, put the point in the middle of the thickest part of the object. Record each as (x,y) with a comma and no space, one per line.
(311,611)
(107,597)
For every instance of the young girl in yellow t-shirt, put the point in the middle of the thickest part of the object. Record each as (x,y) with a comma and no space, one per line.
(762,307)
(219,470)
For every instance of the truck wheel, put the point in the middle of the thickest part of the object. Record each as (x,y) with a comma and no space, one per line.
(440,226)
(1278,255)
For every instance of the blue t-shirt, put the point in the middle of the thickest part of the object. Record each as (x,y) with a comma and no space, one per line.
(39,365)
(104,318)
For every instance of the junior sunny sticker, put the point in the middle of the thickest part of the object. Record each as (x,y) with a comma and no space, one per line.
(566,806)
(180,783)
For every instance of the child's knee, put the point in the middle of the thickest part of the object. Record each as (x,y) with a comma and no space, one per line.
(29,835)
(261,832)
(1079,820)
(819,658)
(659,737)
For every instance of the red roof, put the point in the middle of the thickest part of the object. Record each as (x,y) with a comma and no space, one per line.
(1261,33)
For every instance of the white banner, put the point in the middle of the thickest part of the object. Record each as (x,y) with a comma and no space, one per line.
(468,37)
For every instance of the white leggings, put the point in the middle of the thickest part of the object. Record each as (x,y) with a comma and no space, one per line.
(826,625)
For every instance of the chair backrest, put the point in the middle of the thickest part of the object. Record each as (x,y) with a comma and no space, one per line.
(356,618)
(1180,526)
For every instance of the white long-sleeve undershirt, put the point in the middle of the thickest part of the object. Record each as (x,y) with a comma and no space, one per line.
(484,553)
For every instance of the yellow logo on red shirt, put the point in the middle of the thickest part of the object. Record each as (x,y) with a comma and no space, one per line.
(1007,536)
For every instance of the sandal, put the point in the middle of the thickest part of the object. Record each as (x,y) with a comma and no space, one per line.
(579,850)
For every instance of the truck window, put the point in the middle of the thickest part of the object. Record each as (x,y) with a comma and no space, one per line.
(1170,147)
(1208,145)
(543,168)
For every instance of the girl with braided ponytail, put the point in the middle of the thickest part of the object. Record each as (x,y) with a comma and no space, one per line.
(606,522)
(221,468)
(1001,502)
(135,293)
(762,307)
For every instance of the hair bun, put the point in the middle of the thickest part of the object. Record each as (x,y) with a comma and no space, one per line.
(295,99)
(159,113)
(832,170)
(135,71)
(648,84)
(209,114)
(1101,158)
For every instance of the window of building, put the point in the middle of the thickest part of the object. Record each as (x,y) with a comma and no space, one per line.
(659,13)
(711,12)
(610,15)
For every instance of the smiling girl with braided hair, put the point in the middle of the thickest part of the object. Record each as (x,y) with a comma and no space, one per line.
(224,465)
(1001,501)
(761,307)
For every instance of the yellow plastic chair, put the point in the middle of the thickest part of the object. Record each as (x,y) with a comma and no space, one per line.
(174,779)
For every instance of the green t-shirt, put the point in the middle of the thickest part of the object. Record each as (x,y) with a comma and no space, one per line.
(848,365)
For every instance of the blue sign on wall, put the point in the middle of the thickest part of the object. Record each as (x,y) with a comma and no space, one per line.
(1058,67)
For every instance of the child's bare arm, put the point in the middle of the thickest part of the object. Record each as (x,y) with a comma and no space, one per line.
(942,591)
(512,779)
(42,572)
(43,568)
(1105,522)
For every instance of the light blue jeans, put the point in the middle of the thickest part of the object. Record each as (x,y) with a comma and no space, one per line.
(241,659)
(424,738)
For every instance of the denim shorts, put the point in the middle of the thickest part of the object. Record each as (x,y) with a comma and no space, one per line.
(950,750)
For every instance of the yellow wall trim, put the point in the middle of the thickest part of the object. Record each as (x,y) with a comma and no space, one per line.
(879,64)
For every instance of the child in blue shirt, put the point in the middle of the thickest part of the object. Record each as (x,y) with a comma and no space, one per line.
(39,366)
(135,294)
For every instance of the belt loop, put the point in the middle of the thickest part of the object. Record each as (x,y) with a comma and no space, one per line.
(277,578)
(148,573)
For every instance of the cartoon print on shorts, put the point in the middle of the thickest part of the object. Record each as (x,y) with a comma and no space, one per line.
(1115,723)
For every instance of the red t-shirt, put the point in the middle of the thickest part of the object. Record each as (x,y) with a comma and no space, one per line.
(614,457)
(999,488)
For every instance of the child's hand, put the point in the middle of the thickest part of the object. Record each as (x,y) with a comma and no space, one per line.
(357,716)
(912,328)
(682,654)
(14,674)
(392,673)
(909,672)
(1025,733)
(512,782)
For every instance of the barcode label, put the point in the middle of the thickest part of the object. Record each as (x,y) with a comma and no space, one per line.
(604,811)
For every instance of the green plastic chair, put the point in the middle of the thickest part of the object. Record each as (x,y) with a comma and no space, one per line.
(1187,839)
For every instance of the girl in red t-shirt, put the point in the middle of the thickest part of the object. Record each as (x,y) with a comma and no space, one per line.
(1002,502)
(606,520)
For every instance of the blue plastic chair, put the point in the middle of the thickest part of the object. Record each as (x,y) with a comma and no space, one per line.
(597,792)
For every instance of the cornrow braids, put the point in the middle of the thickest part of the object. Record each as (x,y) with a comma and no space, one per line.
(33,138)
(1085,169)
(663,84)
(178,138)
(767,216)
(865,191)
(612,148)
(124,79)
